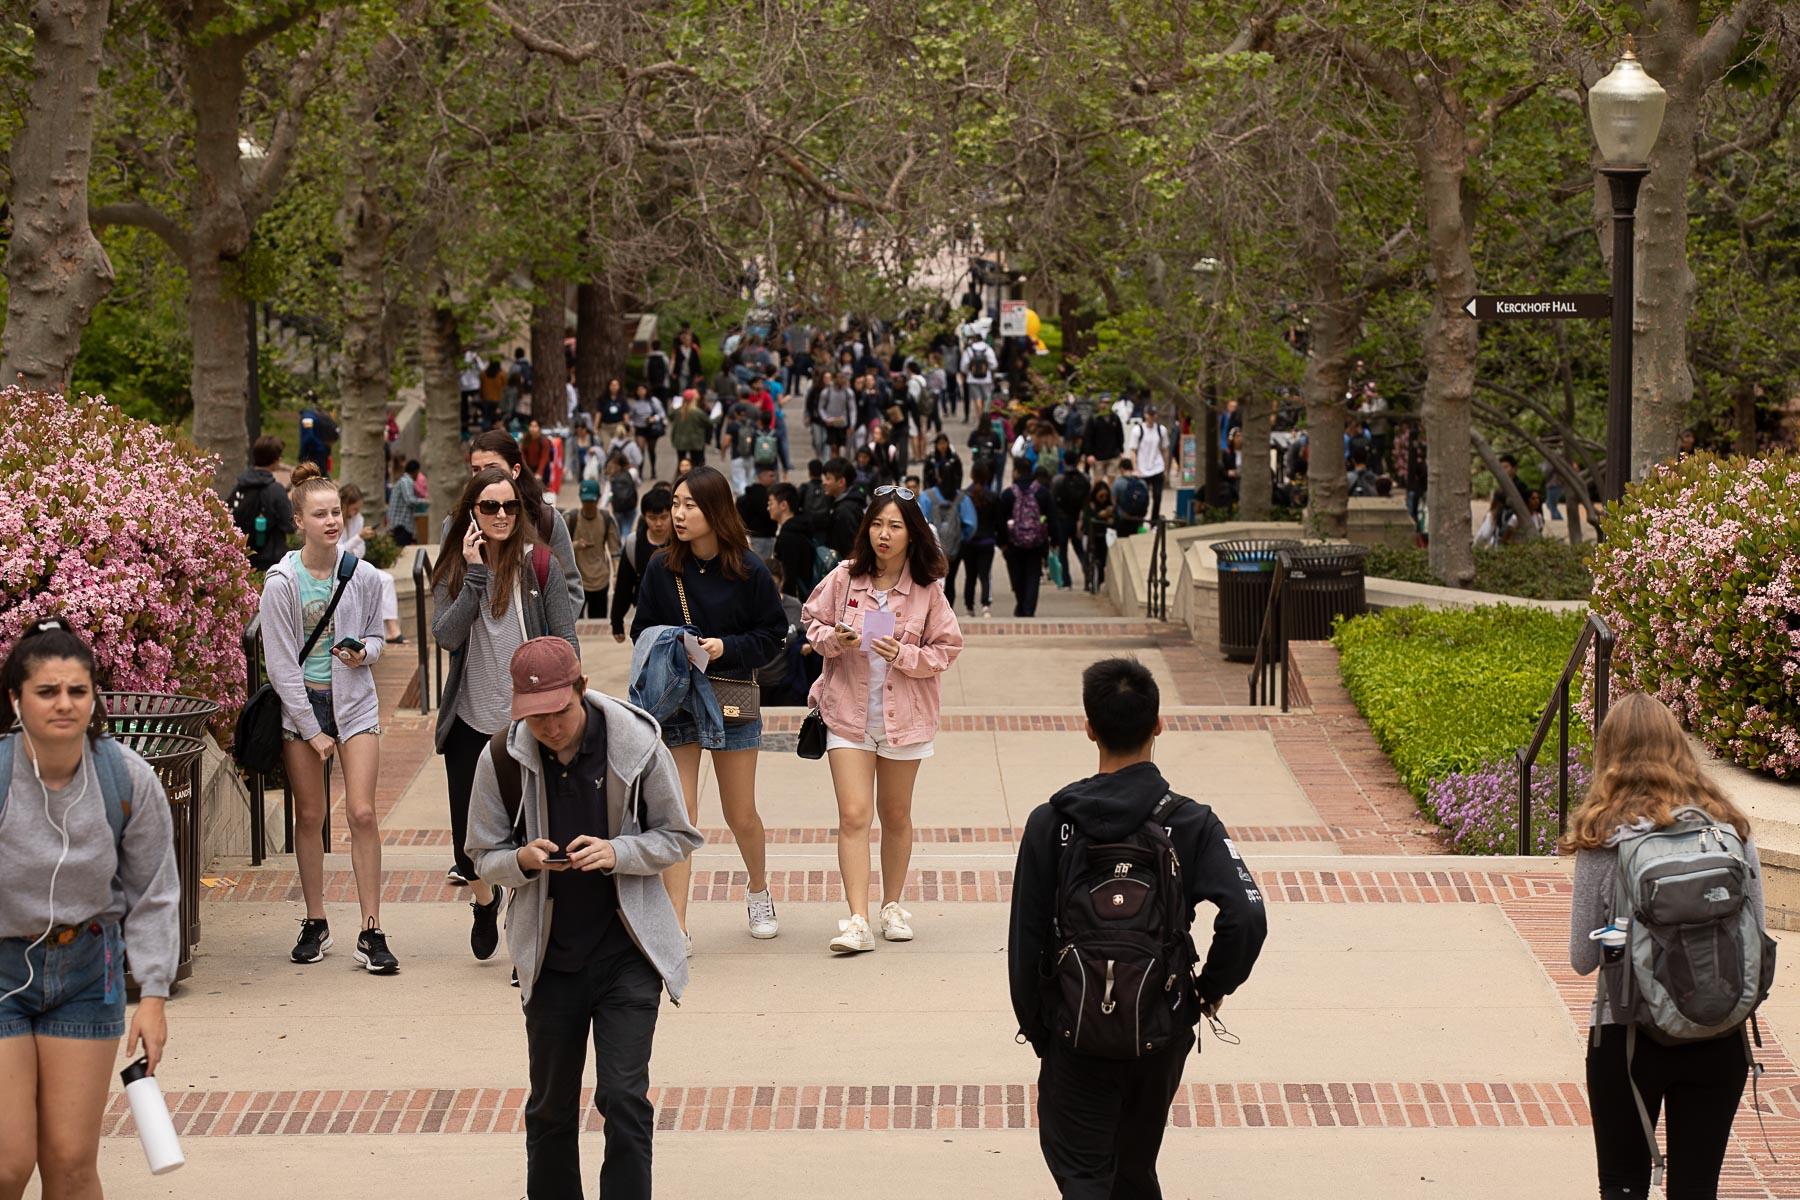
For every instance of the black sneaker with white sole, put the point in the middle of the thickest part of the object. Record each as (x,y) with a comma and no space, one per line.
(315,940)
(455,878)
(484,935)
(372,953)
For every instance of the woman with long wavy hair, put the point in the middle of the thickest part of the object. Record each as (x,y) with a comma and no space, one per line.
(1645,775)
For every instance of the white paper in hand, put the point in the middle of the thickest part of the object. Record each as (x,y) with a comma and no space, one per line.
(696,653)
(876,625)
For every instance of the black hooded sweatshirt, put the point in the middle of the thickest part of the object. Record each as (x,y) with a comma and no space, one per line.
(1107,808)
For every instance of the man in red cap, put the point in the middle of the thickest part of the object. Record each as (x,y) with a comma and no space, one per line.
(578,802)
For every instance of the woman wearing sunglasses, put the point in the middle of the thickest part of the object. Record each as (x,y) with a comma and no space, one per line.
(493,591)
(878,696)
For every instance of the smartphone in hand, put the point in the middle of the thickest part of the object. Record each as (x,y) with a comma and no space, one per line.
(560,856)
(350,645)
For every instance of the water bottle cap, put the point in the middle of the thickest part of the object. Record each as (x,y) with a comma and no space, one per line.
(135,1071)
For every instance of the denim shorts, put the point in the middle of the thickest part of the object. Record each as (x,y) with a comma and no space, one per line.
(683,730)
(77,984)
(326,716)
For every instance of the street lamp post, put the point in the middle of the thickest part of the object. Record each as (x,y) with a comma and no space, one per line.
(1626,111)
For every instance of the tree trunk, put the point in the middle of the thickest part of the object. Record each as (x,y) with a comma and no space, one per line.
(1450,340)
(1744,419)
(221,236)
(1255,483)
(1328,366)
(590,337)
(441,453)
(56,269)
(549,366)
(1077,324)
(363,362)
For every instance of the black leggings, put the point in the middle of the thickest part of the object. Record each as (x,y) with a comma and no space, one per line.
(462,751)
(1697,1087)
(978,562)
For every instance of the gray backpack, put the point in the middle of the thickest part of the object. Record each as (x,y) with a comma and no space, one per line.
(1697,961)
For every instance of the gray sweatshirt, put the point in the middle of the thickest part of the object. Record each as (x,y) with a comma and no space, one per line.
(353,699)
(144,890)
(454,618)
(1596,878)
(640,779)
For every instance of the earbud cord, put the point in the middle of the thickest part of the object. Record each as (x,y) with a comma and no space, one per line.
(63,829)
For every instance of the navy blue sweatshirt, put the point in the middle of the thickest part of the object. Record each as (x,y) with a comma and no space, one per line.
(1107,808)
(745,614)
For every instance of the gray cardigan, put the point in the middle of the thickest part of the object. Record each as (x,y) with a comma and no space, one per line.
(562,547)
(353,699)
(452,618)
(640,779)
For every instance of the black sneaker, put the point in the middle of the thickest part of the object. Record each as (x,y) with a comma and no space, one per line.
(455,878)
(315,940)
(484,935)
(372,953)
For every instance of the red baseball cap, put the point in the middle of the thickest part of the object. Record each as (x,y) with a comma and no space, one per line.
(543,671)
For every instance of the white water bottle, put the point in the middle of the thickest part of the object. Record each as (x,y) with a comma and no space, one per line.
(155,1131)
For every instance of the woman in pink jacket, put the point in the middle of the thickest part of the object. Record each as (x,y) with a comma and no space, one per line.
(879,699)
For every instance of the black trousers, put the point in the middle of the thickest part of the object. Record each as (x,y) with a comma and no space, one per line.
(1156,482)
(1025,570)
(955,561)
(613,999)
(596,603)
(1697,1088)
(463,747)
(1101,1121)
(978,562)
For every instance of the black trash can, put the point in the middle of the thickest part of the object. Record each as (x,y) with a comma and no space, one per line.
(1246,571)
(1323,582)
(176,760)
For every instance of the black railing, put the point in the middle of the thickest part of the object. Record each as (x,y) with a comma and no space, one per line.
(422,565)
(1600,635)
(1156,587)
(252,681)
(1268,671)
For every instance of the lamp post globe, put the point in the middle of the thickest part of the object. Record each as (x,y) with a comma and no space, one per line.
(1626,111)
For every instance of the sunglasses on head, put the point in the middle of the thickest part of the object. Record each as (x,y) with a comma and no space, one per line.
(896,490)
(493,508)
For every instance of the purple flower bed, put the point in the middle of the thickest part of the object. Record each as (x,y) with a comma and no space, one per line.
(1479,809)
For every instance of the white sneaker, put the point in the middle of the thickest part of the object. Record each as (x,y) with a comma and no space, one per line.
(894,923)
(853,937)
(763,924)
(687,944)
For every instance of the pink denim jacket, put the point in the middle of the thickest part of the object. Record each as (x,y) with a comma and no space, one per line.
(930,639)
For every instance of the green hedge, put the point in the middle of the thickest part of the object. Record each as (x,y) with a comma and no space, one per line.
(1451,691)
(1542,570)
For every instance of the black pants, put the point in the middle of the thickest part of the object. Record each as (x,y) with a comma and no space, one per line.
(1025,569)
(596,603)
(954,561)
(1100,1121)
(978,562)
(1156,490)
(1698,1085)
(615,997)
(463,747)
(1096,560)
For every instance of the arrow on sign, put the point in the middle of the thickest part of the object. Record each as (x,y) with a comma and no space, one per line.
(1539,308)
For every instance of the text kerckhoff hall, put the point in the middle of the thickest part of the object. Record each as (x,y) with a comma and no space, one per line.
(1531,307)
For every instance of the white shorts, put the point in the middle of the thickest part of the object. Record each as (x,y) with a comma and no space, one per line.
(390,599)
(879,749)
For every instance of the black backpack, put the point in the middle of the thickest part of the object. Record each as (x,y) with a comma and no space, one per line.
(246,504)
(1122,983)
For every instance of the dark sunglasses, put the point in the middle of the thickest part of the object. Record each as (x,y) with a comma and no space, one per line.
(896,490)
(493,508)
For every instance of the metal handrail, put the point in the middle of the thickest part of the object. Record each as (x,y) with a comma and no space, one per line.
(1600,635)
(252,677)
(421,564)
(1156,587)
(1268,671)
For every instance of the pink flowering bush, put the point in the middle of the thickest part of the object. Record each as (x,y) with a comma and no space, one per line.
(1479,809)
(1699,577)
(112,523)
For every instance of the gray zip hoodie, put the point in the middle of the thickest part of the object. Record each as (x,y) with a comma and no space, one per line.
(645,810)
(358,615)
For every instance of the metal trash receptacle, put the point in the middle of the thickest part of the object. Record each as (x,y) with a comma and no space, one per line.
(1324,582)
(176,759)
(1246,573)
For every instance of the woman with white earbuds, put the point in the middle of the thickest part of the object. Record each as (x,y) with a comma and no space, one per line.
(88,855)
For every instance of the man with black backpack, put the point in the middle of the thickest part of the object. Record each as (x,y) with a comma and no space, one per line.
(1101,957)
(260,507)
(1069,494)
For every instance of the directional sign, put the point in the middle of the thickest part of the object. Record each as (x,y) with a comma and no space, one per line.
(1539,308)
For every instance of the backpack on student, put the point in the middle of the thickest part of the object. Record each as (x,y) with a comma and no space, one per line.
(622,493)
(1697,961)
(247,504)
(946,520)
(978,367)
(1070,492)
(766,450)
(109,765)
(1122,982)
(1131,496)
(1028,529)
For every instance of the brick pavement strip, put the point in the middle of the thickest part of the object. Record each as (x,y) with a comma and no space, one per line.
(924,835)
(959,886)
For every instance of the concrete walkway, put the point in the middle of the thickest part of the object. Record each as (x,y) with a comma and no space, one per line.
(1410,1031)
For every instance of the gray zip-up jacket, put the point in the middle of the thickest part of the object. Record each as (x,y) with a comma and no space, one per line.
(451,620)
(353,698)
(652,832)
(562,546)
